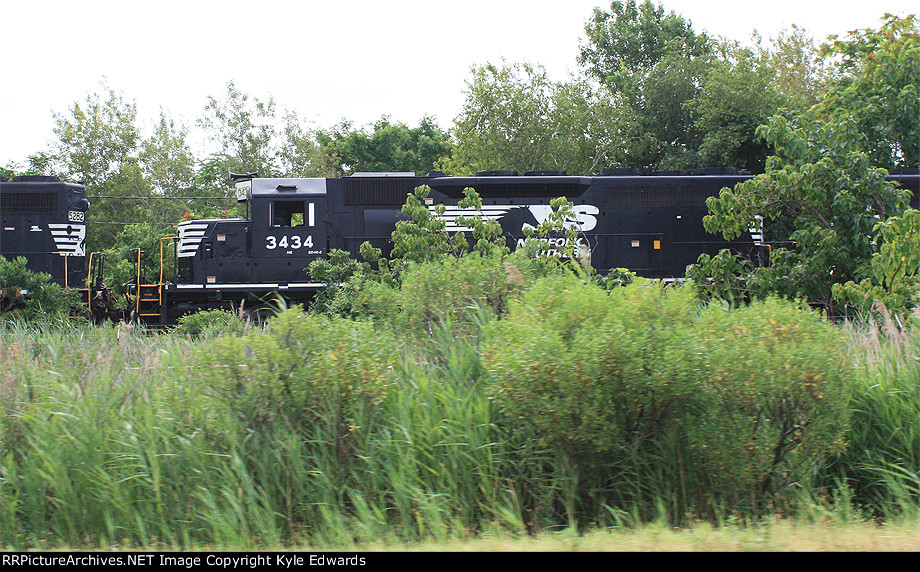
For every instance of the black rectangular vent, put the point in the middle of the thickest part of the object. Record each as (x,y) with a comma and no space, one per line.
(651,197)
(528,189)
(384,191)
(28,203)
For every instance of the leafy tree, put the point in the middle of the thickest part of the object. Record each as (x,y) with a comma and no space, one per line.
(98,144)
(388,147)
(667,135)
(42,163)
(894,270)
(654,62)
(823,184)
(880,89)
(738,93)
(800,72)
(302,155)
(121,259)
(516,118)
(826,185)
(169,165)
(628,42)
(243,129)
(99,139)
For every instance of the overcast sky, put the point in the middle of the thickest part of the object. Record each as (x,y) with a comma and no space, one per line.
(329,60)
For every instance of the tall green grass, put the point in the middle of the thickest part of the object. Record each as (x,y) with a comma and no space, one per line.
(881,466)
(114,437)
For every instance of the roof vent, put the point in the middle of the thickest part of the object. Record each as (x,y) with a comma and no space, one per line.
(544,173)
(385,174)
(35,179)
(621,172)
(497,174)
(716,171)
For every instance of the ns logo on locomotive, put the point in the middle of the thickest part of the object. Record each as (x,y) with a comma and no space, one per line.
(649,224)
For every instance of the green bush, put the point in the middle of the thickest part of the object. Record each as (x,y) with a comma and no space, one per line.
(315,373)
(32,295)
(210,324)
(450,291)
(772,399)
(594,372)
(735,404)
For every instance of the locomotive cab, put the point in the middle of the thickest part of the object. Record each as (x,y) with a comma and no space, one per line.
(244,261)
(288,228)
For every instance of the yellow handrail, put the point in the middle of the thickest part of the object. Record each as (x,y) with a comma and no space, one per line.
(160,285)
(137,302)
(89,273)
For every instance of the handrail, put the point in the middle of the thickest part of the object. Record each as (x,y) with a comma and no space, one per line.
(160,284)
(89,274)
(137,302)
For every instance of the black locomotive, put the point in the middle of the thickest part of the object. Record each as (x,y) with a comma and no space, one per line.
(649,224)
(44,220)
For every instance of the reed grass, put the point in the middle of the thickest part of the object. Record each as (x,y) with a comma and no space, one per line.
(111,438)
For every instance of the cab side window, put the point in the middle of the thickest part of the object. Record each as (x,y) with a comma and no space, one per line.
(288,213)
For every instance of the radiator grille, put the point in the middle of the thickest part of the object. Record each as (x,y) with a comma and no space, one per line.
(377,191)
(651,197)
(28,203)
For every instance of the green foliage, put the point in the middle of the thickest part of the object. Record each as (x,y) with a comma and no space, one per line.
(113,437)
(688,100)
(724,276)
(754,398)
(355,288)
(654,63)
(343,277)
(515,118)
(474,267)
(424,236)
(99,139)
(881,89)
(210,324)
(98,144)
(302,155)
(594,372)
(823,184)
(244,128)
(882,459)
(772,402)
(629,40)
(449,293)
(121,259)
(801,73)
(389,147)
(307,371)
(737,95)
(32,295)
(894,270)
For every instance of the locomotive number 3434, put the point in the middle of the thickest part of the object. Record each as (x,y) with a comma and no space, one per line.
(292,242)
